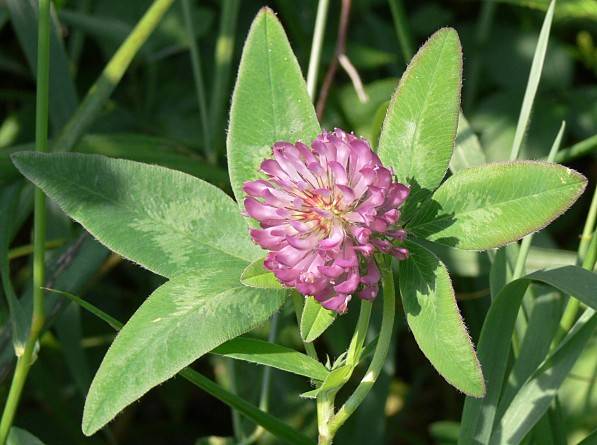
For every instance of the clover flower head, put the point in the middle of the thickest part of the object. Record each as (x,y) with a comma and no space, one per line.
(324,211)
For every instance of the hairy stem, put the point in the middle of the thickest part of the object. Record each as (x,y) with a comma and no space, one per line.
(360,334)
(379,356)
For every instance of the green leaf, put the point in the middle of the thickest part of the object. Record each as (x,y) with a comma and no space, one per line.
(418,134)
(18,436)
(489,206)
(432,315)
(494,343)
(270,423)
(63,94)
(182,320)
(536,395)
(165,220)
(271,354)
(256,275)
(467,152)
(315,320)
(270,101)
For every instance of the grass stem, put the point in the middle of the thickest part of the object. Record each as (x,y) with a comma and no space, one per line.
(25,361)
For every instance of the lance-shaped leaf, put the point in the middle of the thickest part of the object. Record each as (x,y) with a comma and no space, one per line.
(488,206)
(494,343)
(182,320)
(433,316)
(165,220)
(418,133)
(270,101)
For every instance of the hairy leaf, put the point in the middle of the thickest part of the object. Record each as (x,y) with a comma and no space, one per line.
(270,101)
(165,220)
(433,316)
(418,133)
(182,320)
(492,205)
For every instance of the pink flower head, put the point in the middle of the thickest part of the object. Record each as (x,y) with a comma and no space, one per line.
(323,212)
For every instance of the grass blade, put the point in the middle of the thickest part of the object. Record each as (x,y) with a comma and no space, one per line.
(535,396)
(533,83)
(494,343)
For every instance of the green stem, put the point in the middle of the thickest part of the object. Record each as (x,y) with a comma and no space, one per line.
(379,356)
(39,224)
(21,251)
(78,38)
(222,66)
(325,399)
(198,78)
(322,12)
(101,90)
(299,301)
(237,426)
(358,339)
(405,38)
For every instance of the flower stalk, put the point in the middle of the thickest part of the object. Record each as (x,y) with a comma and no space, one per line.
(328,422)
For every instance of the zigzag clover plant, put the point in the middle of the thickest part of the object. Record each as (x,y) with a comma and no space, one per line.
(336,217)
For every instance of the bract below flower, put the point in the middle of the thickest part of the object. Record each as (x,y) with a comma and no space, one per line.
(324,211)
